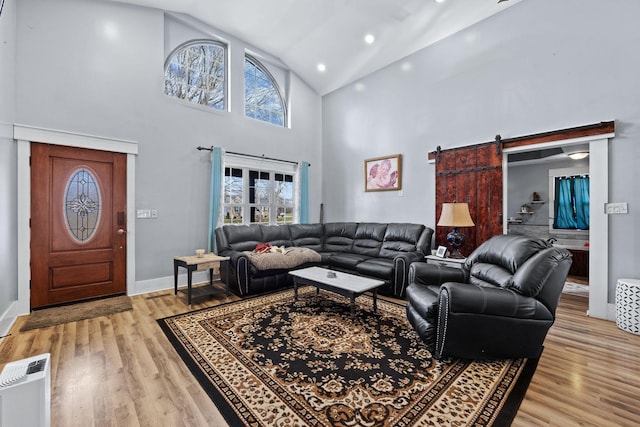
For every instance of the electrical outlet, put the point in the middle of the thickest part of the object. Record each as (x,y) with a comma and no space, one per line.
(616,208)
(154,213)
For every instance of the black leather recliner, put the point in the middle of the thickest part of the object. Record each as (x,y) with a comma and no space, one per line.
(500,305)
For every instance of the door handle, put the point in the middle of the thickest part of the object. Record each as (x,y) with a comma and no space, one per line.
(121,232)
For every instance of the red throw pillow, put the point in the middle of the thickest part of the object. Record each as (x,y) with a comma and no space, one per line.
(262,248)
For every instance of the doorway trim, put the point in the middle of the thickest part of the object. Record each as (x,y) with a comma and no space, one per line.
(599,306)
(23,135)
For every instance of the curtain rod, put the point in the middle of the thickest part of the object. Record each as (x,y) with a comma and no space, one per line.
(200,148)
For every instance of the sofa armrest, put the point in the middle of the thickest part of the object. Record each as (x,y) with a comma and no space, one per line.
(434,274)
(239,265)
(463,298)
(401,264)
(477,322)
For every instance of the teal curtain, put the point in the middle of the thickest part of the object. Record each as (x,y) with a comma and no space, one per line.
(572,203)
(581,191)
(304,193)
(216,193)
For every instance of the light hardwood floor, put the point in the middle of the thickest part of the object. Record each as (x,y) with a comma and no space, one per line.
(122,371)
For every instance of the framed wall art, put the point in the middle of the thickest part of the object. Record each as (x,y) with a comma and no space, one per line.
(383,173)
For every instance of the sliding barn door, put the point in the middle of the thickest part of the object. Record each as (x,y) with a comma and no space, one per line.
(472,175)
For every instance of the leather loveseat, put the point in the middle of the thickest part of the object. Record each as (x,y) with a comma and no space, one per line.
(499,305)
(379,250)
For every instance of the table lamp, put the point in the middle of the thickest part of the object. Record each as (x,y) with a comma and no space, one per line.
(455,215)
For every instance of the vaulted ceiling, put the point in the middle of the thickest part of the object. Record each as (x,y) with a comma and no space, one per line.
(306,33)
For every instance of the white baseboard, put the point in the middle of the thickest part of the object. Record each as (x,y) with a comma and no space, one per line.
(8,318)
(611,312)
(164,283)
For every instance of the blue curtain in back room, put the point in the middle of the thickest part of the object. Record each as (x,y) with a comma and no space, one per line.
(572,203)
(216,193)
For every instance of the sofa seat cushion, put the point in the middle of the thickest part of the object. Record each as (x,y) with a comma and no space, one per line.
(346,260)
(325,257)
(290,258)
(377,267)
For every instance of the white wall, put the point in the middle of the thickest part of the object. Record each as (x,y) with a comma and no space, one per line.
(8,213)
(537,66)
(97,68)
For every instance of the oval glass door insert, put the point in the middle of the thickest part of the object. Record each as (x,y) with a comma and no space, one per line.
(82,205)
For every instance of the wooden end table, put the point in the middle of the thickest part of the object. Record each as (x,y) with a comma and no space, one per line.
(193,263)
(447,262)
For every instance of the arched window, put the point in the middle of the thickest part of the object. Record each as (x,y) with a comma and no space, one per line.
(262,97)
(195,72)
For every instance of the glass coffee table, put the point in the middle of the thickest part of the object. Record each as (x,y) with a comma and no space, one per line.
(345,284)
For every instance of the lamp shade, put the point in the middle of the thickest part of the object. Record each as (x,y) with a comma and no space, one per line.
(455,215)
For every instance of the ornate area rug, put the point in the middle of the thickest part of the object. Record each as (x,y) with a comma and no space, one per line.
(267,361)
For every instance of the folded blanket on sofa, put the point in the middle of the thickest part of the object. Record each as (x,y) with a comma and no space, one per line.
(289,258)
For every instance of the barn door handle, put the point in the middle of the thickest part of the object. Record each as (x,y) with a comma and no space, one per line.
(121,232)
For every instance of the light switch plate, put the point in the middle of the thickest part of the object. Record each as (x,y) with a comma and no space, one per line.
(616,208)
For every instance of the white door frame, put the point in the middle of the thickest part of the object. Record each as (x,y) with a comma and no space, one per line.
(599,306)
(24,135)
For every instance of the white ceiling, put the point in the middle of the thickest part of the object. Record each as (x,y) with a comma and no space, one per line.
(304,33)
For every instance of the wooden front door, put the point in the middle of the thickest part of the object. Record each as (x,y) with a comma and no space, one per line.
(78,224)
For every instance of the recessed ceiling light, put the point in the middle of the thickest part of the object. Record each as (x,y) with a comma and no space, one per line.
(322,67)
(369,38)
(440,1)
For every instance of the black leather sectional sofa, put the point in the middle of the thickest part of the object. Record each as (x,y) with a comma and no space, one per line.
(383,251)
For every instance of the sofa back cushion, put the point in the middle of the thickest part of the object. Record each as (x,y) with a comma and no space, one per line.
(368,239)
(399,238)
(496,261)
(535,273)
(307,235)
(338,236)
(276,235)
(240,237)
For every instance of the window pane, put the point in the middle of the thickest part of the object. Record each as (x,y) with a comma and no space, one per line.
(82,205)
(195,73)
(263,100)
(283,190)
(260,214)
(285,215)
(232,185)
(259,186)
(233,215)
